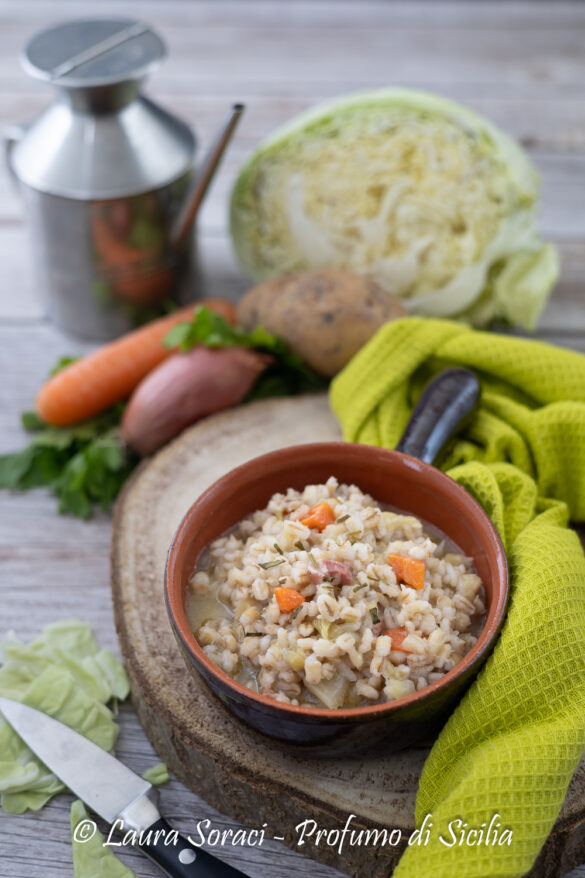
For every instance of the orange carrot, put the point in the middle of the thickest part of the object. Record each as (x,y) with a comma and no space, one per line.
(110,374)
(411,571)
(397,635)
(288,599)
(319,516)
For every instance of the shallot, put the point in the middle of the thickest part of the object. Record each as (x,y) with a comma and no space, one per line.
(185,388)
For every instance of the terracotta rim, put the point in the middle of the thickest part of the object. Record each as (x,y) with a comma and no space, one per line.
(448,487)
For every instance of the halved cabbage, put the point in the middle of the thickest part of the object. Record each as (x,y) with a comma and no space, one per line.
(423,195)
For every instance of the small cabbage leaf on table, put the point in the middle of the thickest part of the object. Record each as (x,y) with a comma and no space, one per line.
(65,674)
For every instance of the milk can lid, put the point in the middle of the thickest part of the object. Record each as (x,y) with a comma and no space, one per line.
(93,52)
(105,140)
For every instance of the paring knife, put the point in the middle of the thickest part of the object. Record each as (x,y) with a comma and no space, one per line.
(111,790)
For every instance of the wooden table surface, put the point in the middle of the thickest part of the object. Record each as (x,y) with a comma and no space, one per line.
(522,64)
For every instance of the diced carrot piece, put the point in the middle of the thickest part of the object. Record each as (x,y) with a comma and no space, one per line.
(410,571)
(397,635)
(319,516)
(288,599)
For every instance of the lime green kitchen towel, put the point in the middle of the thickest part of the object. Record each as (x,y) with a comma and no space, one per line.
(508,751)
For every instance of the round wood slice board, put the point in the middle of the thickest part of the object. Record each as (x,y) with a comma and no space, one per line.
(238,771)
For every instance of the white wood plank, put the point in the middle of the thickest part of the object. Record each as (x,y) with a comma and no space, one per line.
(21,300)
(346,45)
(517,14)
(545,124)
(335,64)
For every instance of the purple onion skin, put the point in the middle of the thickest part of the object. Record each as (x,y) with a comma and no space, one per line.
(185,388)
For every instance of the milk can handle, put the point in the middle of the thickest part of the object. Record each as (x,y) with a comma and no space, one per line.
(11,136)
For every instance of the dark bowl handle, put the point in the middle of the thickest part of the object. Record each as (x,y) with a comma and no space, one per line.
(445,406)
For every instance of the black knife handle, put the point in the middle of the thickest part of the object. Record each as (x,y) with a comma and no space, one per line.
(179,858)
(443,408)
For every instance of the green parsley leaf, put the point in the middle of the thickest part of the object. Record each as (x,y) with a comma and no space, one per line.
(62,363)
(288,375)
(84,466)
(13,467)
(32,422)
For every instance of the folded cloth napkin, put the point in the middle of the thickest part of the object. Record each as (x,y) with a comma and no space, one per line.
(514,741)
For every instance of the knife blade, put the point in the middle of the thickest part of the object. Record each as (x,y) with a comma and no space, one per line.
(113,791)
(104,783)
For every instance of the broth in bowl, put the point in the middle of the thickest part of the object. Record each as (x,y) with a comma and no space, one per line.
(328,599)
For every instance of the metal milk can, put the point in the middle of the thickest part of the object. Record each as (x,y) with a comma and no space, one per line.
(108,180)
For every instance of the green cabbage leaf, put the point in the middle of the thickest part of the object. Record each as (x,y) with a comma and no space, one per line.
(93,858)
(65,674)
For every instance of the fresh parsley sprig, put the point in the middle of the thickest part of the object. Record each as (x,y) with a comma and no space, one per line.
(85,466)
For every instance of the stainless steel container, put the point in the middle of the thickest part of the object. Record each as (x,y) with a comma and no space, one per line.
(104,173)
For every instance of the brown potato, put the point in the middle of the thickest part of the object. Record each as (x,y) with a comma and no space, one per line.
(325,315)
